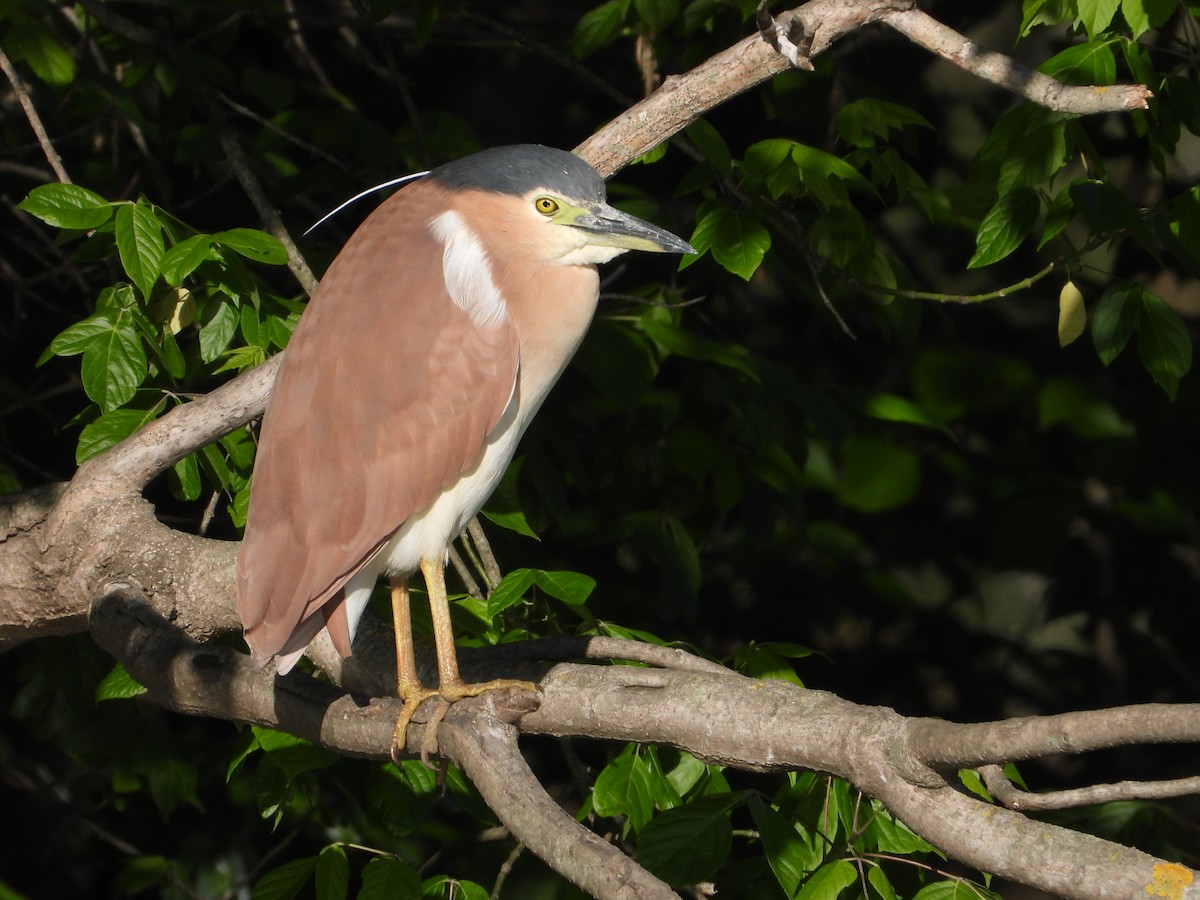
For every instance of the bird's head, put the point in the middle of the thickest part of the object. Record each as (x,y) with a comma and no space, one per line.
(551,203)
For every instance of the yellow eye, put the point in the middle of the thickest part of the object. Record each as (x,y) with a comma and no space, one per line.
(547,206)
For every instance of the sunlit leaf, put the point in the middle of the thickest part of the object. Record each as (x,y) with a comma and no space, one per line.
(572,588)
(510,590)
(118,685)
(1090,63)
(181,260)
(140,244)
(67,206)
(828,881)
(218,331)
(623,788)
(114,365)
(29,40)
(112,428)
(252,244)
(1096,15)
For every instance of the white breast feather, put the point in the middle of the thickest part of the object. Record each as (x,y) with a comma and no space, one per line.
(468,272)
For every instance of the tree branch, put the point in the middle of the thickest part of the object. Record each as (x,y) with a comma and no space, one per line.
(753,725)
(35,120)
(1008,794)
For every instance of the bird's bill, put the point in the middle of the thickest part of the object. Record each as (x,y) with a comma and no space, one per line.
(609,226)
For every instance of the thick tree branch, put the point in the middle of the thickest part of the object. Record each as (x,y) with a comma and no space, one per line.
(947,746)
(753,725)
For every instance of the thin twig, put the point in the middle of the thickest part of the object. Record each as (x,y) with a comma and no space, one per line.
(491,568)
(464,572)
(35,121)
(1008,794)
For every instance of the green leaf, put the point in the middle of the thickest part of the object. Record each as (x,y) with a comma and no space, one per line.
(790,850)
(285,882)
(877,476)
(140,244)
(891,408)
(1090,63)
(118,685)
(826,176)
(114,365)
(171,782)
(1026,146)
(291,754)
(504,506)
(443,887)
(1163,343)
(182,260)
(112,428)
(170,355)
(712,145)
(955,889)
(1108,211)
(333,873)
(1114,320)
(218,331)
(974,783)
(688,844)
(861,123)
(1096,15)
(386,878)
(624,788)
(74,339)
(736,240)
(187,474)
(1005,226)
(1142,15)
(889,835)
(657,14)
(1075,405)
(681,342)
(829,881)
(67,206)
(597,27)
(880,882)
(241,358)
(253,244)
(31,41)
(739,243)
(572,588)
(509,591)
(1045,12)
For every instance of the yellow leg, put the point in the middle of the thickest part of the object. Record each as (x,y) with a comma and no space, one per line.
(408,682)
(450,683)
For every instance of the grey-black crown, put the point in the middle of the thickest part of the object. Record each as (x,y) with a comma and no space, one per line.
(521,168)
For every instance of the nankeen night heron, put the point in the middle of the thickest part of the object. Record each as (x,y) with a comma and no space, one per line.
(429,345)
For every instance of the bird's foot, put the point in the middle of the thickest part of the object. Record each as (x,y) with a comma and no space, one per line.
(413,698)
(456,691)
(447,694)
